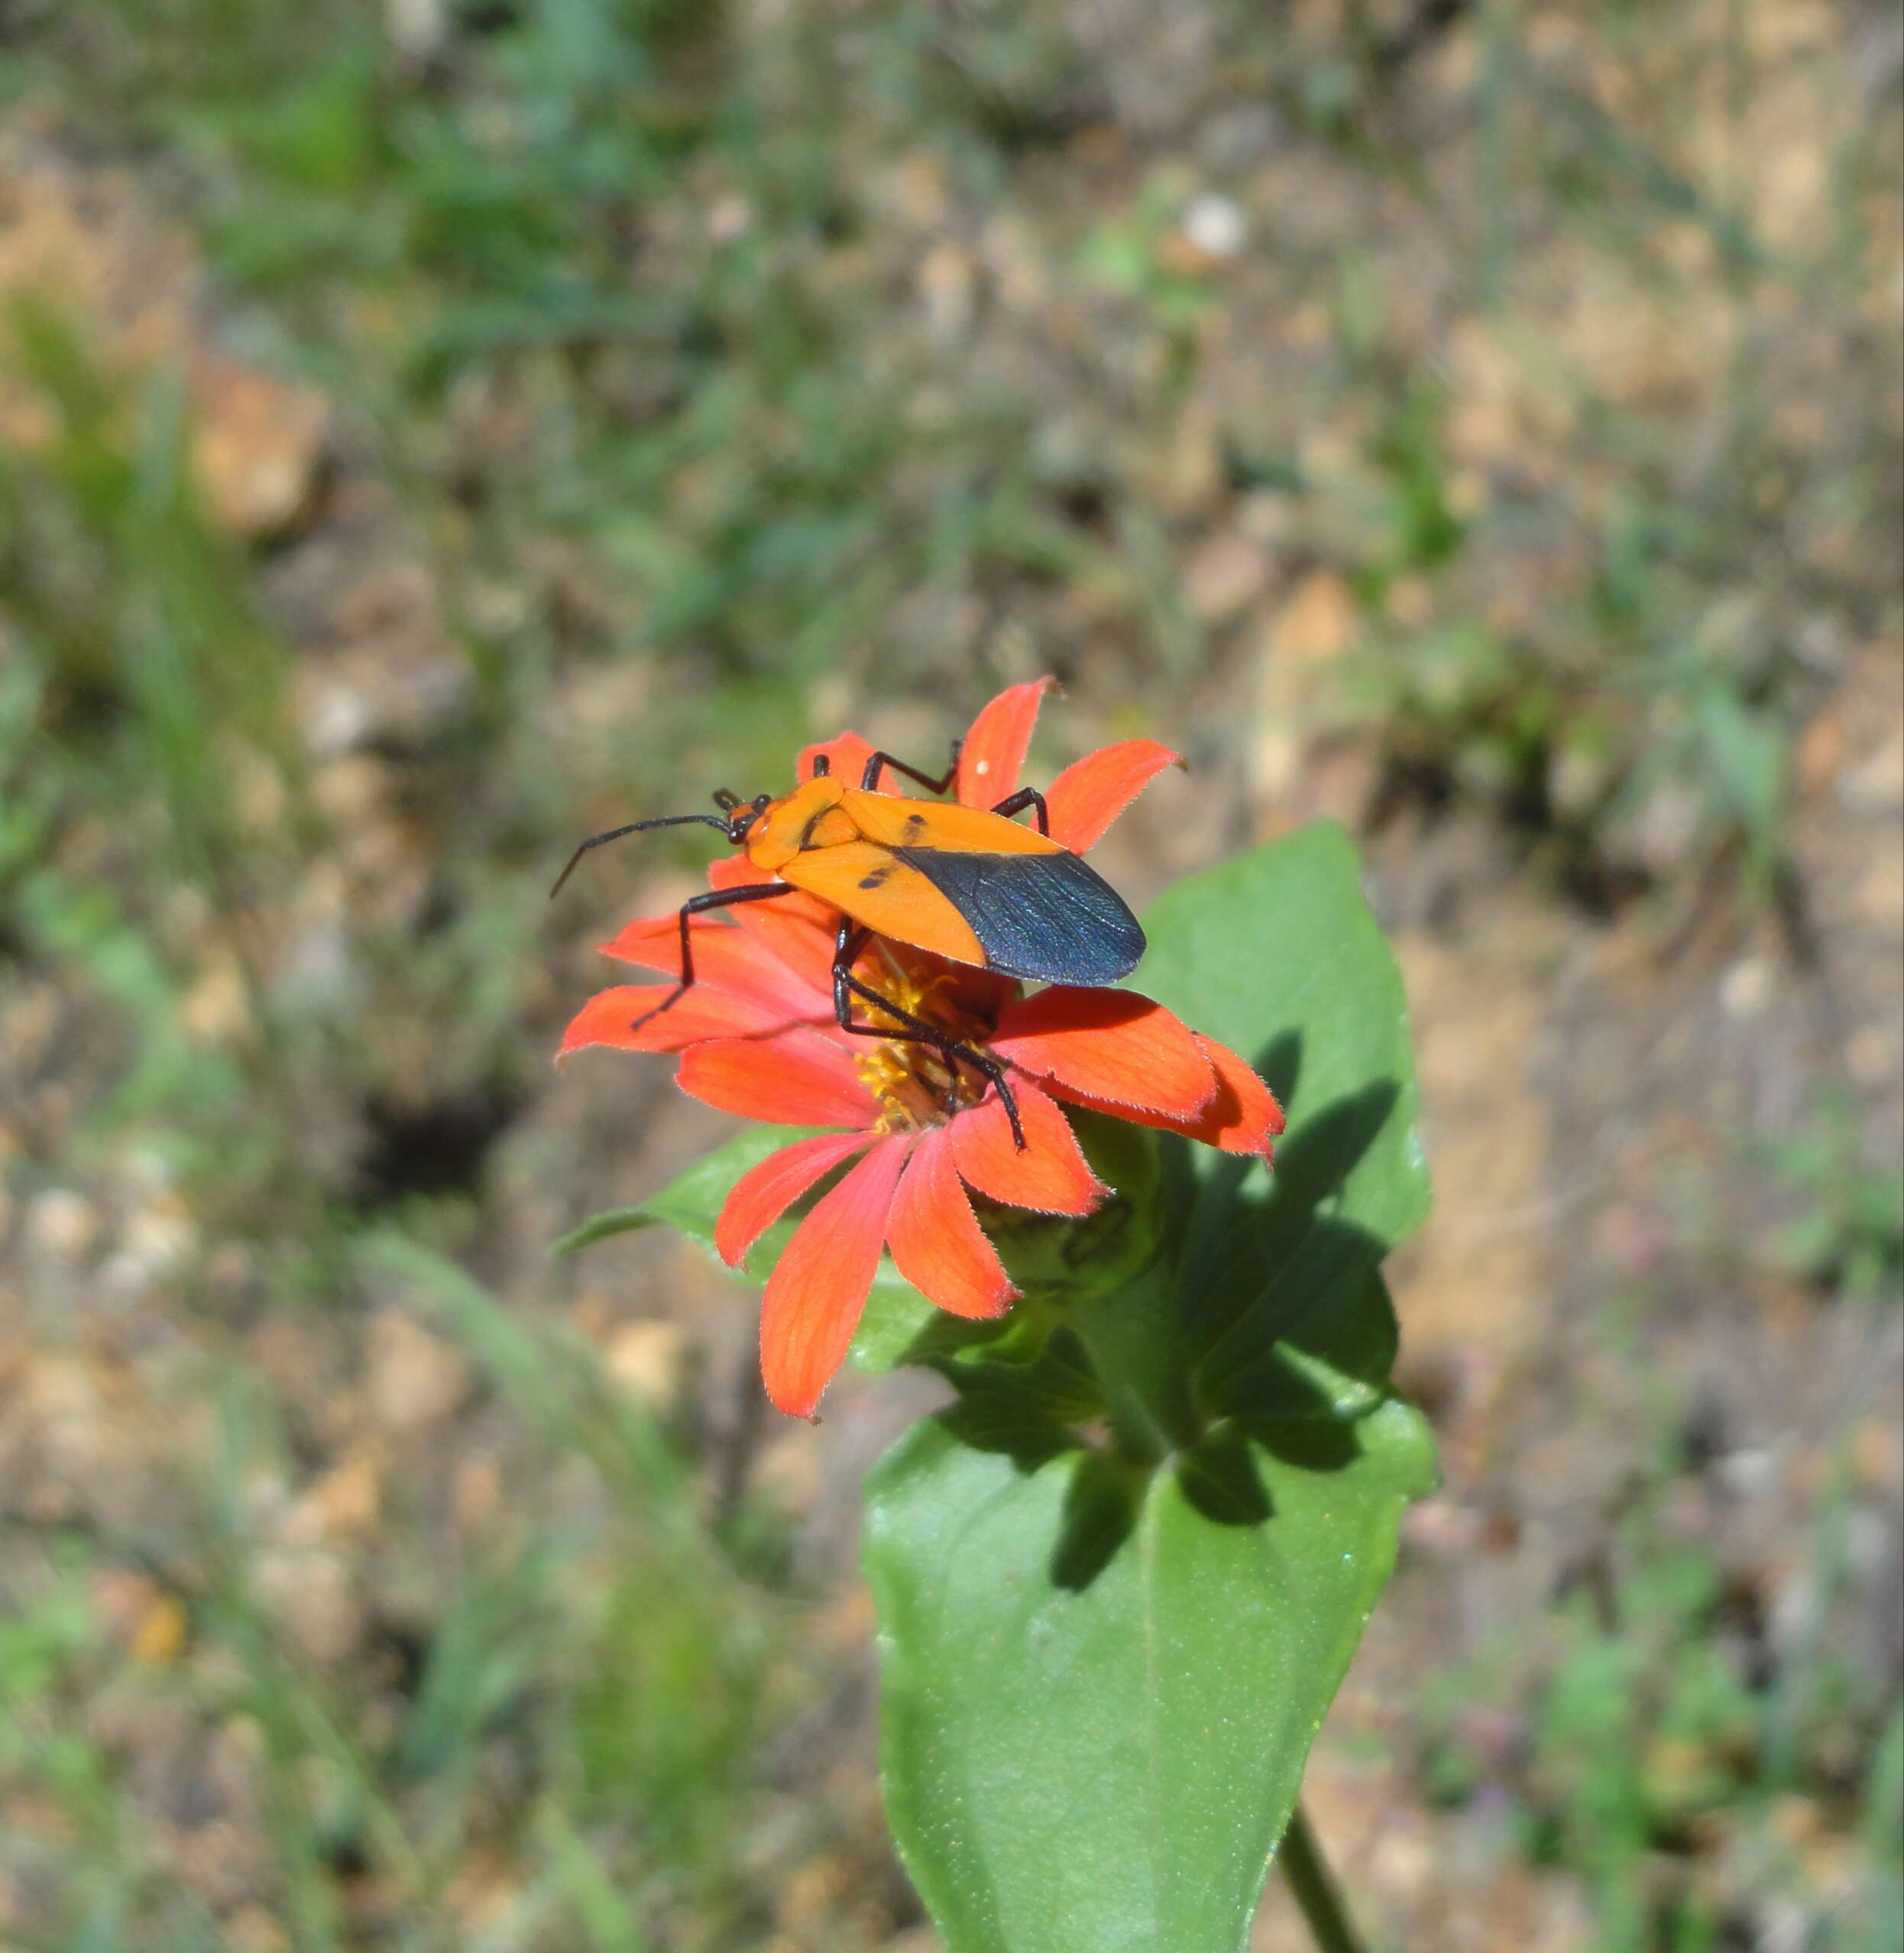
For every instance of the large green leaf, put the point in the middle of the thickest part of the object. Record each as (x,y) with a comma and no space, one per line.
(1097,1697)
(1276,953)
(1105,1657)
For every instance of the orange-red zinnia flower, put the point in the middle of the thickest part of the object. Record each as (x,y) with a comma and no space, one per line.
(757,1036)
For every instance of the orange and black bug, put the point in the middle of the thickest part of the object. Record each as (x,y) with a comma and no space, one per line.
(973,887)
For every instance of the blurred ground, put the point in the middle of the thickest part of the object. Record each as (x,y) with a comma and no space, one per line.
(428,433)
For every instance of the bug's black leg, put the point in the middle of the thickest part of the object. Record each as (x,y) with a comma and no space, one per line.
(848,940)
(636,828)
(869,778)
(699,905)
(847,945)
(1026,797)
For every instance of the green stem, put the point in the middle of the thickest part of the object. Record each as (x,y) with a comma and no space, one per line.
(1323,1910)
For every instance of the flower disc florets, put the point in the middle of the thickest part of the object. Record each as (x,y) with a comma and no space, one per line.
(915,1085)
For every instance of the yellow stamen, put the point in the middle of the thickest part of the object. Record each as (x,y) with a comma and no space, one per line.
(913,1082)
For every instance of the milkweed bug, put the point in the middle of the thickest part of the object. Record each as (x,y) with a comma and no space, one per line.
(971,885)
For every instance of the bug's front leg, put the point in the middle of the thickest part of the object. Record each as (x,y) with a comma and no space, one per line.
(699,905)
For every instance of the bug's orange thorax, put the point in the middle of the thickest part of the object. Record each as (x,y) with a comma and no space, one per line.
(808,817)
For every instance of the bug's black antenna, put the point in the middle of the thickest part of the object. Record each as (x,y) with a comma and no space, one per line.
(636,827)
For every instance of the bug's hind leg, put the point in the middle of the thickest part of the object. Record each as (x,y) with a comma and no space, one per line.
(846,986)
(1016,803)
(870,777)
(699,905)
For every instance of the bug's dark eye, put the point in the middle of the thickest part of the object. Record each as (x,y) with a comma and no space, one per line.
(760,801)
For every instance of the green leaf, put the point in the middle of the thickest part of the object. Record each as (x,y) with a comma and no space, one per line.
(1276,954)
(1100,1684)
(694,1201)
(899,1325)
(1106,1656)
(604,1226)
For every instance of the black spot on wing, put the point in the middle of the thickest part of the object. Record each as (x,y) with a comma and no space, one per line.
(1051,918)
(877,879)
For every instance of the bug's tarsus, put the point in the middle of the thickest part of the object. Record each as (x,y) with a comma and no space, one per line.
(846,946)
(699,905)
(1016,803)
(870,777)
(636,828)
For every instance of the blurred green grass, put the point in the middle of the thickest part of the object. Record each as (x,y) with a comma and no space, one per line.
(730,372)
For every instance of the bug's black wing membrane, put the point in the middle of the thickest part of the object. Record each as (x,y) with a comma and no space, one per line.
(1050,919)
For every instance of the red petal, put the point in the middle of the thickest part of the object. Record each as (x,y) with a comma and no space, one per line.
(1091,792)
(819,1285)
(800,1078)
(1110,1044)
(701,1012)
(848,754)
(728,958)
(764,1193)
(1050,1176)
(994,749)
(1243,1117)
(796,928)
(937,1242)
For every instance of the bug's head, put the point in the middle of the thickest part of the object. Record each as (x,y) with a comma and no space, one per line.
(741,814)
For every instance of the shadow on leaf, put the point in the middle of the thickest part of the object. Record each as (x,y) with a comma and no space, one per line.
(1100,1510)
(1029,1411)
(1311,1444)
(1218,1476)
(1284,1327)
(1268,1267)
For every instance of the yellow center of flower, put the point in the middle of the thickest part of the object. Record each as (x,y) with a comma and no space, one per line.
(914,1083)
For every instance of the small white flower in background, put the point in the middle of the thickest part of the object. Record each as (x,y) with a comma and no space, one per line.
(1216,224)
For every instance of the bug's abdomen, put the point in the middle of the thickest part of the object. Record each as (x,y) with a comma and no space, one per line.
(1050,919)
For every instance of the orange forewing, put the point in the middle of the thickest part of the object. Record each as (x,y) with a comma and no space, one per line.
(865,878)
(875,887)
(940,824)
